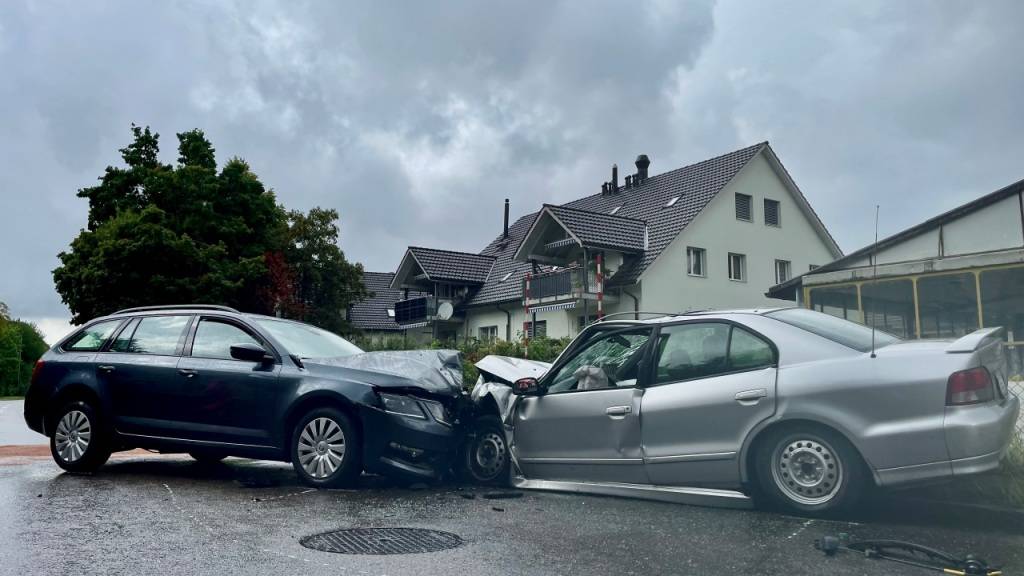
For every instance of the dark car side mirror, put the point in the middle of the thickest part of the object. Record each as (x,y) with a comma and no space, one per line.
(526,387)
(251,353)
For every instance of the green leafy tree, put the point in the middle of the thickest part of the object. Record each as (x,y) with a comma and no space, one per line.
(188,233)
(21,345)
(325,283)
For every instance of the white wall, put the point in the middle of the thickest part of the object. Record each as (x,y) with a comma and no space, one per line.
(560,323)
(667,287)
(994,227)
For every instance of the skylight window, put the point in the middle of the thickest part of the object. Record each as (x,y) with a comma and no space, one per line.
(616,209)
(507,276)
(672,201)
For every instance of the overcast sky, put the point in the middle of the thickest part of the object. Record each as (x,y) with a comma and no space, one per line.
(415,122)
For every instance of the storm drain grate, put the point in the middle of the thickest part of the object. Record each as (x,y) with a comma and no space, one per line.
(381,541)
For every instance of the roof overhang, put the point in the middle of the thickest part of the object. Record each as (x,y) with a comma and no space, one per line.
(550,237)
(409,273)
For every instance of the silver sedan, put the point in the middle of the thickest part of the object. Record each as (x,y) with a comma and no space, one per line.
(796,407)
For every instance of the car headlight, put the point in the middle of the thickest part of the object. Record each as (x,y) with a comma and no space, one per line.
(404,405)
(436,410)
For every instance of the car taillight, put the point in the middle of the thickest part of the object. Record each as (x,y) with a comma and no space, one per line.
(35,370)
(969,387)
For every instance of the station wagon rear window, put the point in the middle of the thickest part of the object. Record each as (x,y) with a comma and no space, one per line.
(92,338)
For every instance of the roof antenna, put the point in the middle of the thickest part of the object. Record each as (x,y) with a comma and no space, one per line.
(874,278)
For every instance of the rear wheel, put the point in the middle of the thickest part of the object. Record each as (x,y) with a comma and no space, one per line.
(485,457)
(326,450)
(810,470)
(78,442)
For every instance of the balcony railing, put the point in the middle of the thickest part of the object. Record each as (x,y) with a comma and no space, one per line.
(419,309)
(566,284)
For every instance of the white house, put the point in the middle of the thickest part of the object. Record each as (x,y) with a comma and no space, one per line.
(715,234)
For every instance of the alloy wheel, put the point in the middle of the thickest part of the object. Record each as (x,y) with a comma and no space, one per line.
(321,448)
(74,431)
(807,471)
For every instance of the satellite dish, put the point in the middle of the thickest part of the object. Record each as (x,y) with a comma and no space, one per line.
(445,310)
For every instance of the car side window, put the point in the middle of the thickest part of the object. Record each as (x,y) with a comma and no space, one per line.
(158,335)
(607,361)
(92,338)
(747,351)
(695,350)
(214,339)
(123,341)
(703,349)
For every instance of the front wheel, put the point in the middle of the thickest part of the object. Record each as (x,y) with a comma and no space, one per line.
(78,443)
(485,455)
(810,470)
(326,450)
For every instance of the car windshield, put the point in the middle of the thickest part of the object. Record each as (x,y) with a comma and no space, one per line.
(844,332)
(307,341)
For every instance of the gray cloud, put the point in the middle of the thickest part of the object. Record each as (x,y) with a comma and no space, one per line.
(416,120)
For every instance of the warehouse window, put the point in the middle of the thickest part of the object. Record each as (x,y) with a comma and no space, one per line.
(839,301)
(771,213)
(1002,300)
(889,306)
(744,210)
(948,305)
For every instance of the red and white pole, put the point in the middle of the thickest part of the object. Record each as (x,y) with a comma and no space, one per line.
(526,315)
(600,287)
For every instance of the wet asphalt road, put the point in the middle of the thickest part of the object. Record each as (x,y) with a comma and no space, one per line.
(12,425)
(170,515)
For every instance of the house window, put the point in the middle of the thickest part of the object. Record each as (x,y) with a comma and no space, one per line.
(744,210)
(540,332)
(488,333)
(782,271)
(813,267)
(771,213)
(737,267)
(889,306)
(947,305)
(839,301)
(695,261)
(1003,300)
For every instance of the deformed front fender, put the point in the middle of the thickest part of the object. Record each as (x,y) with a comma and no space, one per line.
(497,373)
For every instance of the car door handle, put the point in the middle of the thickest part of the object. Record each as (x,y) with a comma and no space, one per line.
(618,410)
(107,369)
(751,396)
(188,373)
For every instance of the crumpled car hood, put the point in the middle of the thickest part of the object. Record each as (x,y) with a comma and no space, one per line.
(497,373)
(505,369)
(434,371)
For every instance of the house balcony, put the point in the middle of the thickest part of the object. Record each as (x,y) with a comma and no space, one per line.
(423,310)
(563,286)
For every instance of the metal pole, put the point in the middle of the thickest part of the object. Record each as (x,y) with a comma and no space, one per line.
(600,286)
(526,314)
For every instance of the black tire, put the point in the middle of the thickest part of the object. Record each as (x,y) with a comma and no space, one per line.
(303,452)
(485,454)
(79,441)
(207,458)
(810,470)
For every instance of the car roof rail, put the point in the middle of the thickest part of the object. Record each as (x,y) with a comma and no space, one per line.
(179,307)
(637,313)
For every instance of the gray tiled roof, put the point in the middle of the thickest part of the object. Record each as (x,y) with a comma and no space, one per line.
(695,185)
(601,229)
(643,205)
(372,313)
(446,265)
(497,288)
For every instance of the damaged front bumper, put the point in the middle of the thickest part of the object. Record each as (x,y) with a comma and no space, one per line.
(411,448)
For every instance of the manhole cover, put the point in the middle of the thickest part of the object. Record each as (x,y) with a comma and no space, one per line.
(381,541)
